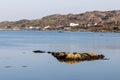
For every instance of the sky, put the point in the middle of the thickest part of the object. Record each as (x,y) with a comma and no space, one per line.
(12,10)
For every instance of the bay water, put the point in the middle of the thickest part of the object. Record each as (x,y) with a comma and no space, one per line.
(18,62)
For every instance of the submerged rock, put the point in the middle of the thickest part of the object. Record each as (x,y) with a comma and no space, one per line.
(8,66)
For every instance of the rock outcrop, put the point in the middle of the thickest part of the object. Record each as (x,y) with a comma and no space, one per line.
(77,56)
(73,58)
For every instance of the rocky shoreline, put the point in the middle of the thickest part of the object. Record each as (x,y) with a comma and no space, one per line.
(60,31)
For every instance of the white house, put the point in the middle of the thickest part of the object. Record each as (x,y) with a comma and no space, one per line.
(74,24)
(46,27)
(31,27)
(95,24)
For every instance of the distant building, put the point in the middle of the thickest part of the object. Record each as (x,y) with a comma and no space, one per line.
(95,24)
(88,25)
(73,24)
(46,27)
(31,27)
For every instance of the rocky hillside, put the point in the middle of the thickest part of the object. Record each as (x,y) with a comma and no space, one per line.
(90,21)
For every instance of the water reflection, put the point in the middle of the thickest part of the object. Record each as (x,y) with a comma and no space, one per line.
(15,66)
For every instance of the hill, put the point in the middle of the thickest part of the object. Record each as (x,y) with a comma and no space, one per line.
(88,21)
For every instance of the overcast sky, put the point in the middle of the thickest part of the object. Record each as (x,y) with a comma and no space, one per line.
(34,9)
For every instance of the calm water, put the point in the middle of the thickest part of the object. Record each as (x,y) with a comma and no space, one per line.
(18,62)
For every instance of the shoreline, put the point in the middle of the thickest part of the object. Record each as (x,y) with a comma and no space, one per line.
(60,31)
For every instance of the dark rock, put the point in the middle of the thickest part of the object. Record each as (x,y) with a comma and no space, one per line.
(116,28)
(101,56)
(39,51)
(49,52)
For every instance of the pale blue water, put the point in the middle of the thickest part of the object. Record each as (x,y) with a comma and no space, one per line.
(18,62)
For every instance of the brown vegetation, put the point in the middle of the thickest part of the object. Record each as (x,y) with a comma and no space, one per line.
(88,21)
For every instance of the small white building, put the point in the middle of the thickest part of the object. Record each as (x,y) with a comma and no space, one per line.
(46,27)
(31,27)
(74,24)
(95,24)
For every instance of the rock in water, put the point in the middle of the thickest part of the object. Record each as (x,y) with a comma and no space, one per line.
(77,56)
(38,51)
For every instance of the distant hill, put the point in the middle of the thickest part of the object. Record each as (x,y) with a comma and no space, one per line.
(95,16)
(104,19)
